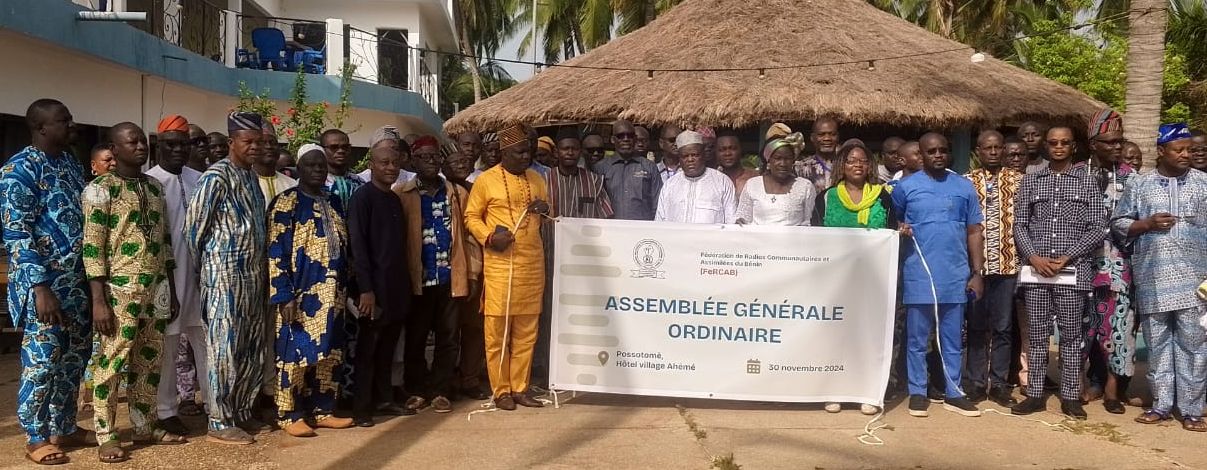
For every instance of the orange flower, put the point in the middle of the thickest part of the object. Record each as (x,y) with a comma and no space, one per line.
(276,120)
(289,132)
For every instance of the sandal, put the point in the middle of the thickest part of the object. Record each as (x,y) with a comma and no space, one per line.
(1151,417)
(112,452)
(47,454)
(80,438)
(161,437)
(1194,423)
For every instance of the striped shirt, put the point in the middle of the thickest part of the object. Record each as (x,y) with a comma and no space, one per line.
(226,225)
(580,195)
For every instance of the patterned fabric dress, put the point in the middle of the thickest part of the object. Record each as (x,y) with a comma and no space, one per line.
(224,232)
(43,232)
(1110,319)
(307,265)
(127,244)
(996,193)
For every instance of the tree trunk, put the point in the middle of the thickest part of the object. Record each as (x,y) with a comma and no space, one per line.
(1145,66)
(577,32)
(471,63)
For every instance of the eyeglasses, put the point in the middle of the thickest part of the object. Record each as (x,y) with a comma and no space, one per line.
(1110,143)
(337,147)
(594,150)
(857,163)
(428,157)
(625,135)
(1059,143)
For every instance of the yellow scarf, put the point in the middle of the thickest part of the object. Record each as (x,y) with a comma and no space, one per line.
(871,193)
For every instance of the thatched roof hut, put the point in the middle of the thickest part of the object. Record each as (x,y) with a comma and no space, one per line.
(938,87)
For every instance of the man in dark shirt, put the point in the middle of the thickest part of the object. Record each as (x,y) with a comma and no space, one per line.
(632,182)
(377,232)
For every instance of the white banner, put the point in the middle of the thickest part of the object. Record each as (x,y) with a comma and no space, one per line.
(792,314)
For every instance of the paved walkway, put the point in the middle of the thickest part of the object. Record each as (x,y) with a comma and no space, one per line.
(608,431)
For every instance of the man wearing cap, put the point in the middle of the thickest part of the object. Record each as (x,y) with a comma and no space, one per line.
(128,262)
(546,154)
(698,195)
(1110,339)
(307,267)
(40,190)
(230,249)
(490,155)
(435,247)
(388,135)
(179,182)
(1164,213)
(504,213)
(633,182)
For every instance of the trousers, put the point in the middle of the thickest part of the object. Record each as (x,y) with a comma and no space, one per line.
(509,363)
(169,378)
(919,322)
(472,362)
(235,308)
(375,345)
(1177,359)
(989,334)
(431,314)
(53,359)
(133,355)
(1062,306)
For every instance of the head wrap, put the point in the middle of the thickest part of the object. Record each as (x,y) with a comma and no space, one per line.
(384,133)
(1172,132)
(307,148)
(706,132)
(1103,122)
(425,141)
(489,137)
(778,130)
(243,121)
(686,138)
(545,143)
(512,136)
(796,140)
(173,123)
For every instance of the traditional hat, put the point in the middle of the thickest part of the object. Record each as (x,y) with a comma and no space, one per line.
(545,143)
(243,121)
(777,131)
(172,123)
(307,148)
(489,137)
(384,133)
(1172,132)
(686,138)
(1104,122)
(512,136)
(425,141)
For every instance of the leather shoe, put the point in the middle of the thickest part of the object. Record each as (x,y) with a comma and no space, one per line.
(332,422)
(173,425)
(299,429)
(1073,409)
(505,403)
(1002,396)
(1028,406)
(524,400)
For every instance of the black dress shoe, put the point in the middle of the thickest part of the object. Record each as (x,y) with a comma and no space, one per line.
(975,394)
(1073,409)
(523,399)
(1028,406)
(363,421)
(1114,407)
(392,409)
(1002,396)
(505,403)
(173,425)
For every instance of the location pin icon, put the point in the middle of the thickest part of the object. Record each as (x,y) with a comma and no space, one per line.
(603,357)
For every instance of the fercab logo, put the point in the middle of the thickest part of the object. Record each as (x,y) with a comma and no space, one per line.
(648,255)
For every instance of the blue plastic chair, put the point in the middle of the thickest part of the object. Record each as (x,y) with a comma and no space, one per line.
(246,59)
(270,46)
(310,61)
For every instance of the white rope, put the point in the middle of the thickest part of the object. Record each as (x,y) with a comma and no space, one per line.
(869,432)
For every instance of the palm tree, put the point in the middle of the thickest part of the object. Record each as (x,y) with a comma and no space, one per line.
(600,16)
(560,24)
(990,26)
(482,25)
(1145,66)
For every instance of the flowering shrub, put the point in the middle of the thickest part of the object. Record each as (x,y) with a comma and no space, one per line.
(303,121)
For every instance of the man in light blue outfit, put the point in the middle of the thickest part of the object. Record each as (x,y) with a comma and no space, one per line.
(40,190)
(940,210)
(1164,213)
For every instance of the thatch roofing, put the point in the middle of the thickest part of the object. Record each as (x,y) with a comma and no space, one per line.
(944,90)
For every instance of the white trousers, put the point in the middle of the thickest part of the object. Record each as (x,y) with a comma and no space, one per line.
(168,398)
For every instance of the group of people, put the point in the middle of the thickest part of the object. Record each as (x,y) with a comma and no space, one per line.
(237,273)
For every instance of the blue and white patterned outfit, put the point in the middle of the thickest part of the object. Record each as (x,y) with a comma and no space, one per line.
(43,232)
(437,238)
(1167,268)
(341,188)
(225,228)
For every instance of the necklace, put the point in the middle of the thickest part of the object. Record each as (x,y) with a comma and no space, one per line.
(527,197)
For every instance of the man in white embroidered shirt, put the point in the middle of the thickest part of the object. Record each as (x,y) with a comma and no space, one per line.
(697,194)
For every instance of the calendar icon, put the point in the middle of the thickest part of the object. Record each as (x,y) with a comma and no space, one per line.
(753,366)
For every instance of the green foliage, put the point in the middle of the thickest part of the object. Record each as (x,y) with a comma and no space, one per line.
(458,86)
(1077,61)
(252,102)
(303,120)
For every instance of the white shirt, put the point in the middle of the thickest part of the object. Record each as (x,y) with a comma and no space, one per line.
(666,172)
(178,189)
(271,187)
(757,207)
(473,176)
(403,176)
(705,199)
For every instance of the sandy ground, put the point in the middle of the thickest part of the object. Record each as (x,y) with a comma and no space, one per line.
(610,431)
